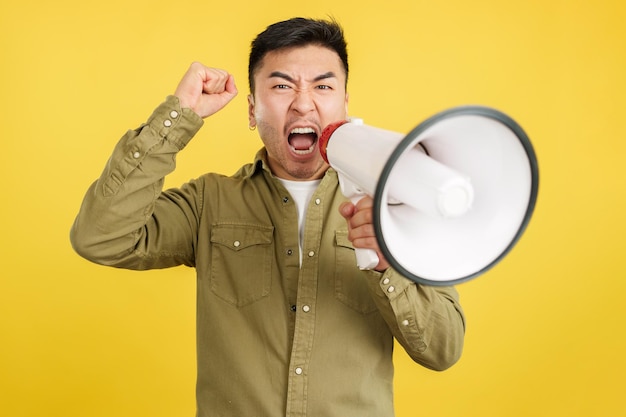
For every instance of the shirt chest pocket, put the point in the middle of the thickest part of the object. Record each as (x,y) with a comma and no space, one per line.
(241,262)
(350,286)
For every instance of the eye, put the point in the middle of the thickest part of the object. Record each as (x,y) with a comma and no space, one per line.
(281,86)
(323,87)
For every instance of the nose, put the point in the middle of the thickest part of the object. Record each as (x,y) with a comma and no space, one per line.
(303,102)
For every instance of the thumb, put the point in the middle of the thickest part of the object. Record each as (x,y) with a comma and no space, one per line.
(230,87)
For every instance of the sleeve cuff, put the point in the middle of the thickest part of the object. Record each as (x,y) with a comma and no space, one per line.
(390,283)
(175,124)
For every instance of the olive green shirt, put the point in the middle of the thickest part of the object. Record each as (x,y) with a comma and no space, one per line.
(274,338)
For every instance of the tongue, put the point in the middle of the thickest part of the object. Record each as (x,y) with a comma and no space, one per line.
(301,142)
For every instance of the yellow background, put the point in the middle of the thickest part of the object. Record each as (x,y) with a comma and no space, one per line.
(546,326)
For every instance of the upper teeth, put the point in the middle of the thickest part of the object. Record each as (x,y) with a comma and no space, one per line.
(303,130)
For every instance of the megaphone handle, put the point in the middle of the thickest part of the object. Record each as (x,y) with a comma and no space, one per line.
(365,258)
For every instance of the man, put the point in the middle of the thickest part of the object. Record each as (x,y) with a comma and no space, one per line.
(286,322)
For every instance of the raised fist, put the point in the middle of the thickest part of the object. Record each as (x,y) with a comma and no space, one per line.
(205,90)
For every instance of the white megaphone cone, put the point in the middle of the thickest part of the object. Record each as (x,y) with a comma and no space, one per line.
(451,198)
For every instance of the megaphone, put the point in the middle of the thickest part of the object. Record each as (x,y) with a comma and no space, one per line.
(451,198)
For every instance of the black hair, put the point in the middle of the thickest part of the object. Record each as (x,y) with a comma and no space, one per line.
(297,31)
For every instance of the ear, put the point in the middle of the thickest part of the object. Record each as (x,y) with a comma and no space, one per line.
(346,103)
(251,118)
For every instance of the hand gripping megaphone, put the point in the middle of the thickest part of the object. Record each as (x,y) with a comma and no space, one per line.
(451,198)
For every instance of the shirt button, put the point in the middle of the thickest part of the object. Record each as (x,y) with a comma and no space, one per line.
(285,199)
(405,322)
(293,308)
(311,254)
(136,154)
(386,281)
(391,289)
(289,252)
(236,243)
(173,114)
(167,123)
(298,371)
(318,201)
(306,309)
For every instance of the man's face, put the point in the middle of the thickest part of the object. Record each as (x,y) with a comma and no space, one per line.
(298,91)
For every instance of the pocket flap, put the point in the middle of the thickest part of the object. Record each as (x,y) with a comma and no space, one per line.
(341,238)
(241,236)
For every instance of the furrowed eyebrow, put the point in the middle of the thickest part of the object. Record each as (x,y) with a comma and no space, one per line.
(278,74)
(329,74)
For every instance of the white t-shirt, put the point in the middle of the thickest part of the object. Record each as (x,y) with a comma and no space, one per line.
(301,192)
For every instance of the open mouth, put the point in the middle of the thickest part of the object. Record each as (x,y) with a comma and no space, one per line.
(302,140)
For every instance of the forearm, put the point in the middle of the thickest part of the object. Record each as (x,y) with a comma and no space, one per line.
(119,205)
(427,321)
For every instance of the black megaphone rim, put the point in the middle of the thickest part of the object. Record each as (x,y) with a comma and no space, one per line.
(409,140)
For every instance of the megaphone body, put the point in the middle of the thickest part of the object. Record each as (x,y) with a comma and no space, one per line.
(451,198)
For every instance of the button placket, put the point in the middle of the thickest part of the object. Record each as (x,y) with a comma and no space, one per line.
(306,302)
